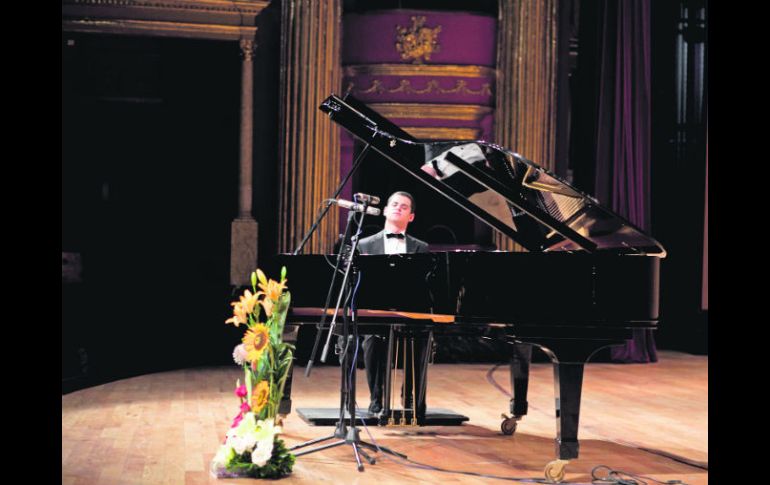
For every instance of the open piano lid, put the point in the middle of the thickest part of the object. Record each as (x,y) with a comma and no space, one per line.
(527,203)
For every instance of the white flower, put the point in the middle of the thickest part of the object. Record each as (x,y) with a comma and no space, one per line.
(244,436)
(262,453)
(267,429)
(251,433)
(224,455)
(239,354)
(240,445)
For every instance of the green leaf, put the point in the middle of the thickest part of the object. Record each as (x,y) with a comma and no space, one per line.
(247,376)
(280,465)
(279,312)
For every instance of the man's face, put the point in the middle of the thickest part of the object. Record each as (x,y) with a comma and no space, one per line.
(399,210)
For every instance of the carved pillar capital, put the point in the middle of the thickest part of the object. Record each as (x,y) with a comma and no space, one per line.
(247,49)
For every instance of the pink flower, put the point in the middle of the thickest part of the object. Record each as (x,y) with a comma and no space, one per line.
(245,408)
(236,421)
(241,391)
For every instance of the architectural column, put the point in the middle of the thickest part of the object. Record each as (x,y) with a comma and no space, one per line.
(310,151)
(526,95)
(243,231)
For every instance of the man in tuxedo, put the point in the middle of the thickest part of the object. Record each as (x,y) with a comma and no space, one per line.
(398,212)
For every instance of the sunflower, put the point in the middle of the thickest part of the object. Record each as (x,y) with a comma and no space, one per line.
(259,396)
(255,341)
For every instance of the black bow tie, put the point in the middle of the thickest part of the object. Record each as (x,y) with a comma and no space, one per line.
(399,236)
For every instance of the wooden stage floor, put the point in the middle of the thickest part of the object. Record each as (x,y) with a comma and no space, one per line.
(164,428)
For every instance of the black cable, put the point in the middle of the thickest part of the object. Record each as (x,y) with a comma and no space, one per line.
(613,476)
(494,383)
(620,477)
(320,325)
(679,459)
(422,466)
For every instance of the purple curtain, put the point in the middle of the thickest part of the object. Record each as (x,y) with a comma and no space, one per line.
(623,131)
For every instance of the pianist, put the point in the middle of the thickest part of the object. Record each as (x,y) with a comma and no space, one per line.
(398,212)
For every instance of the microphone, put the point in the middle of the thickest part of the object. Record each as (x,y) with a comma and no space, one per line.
(369,199)
(346,204)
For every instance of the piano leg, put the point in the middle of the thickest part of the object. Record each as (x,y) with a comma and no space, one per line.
(522,357)
(568,384)
(568,358)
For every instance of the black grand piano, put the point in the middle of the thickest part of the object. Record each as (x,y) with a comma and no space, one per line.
(588,279)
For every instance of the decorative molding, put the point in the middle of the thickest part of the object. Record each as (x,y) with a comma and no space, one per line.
(463,112)
(417,42)
(160,29)
(442,133)
(249,7)
(205,19)
(432,86)
(431,70)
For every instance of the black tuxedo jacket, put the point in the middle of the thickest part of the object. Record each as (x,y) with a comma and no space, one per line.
(376,245)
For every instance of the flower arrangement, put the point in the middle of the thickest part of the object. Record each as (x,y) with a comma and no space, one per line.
(252,447)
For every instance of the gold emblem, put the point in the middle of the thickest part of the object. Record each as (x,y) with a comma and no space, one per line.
(417,42)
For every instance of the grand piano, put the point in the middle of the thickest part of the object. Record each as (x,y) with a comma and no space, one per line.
(588,277)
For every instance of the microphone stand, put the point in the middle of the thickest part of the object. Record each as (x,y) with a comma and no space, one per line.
(337,192)
(340,253)
(321,215)
(347,433)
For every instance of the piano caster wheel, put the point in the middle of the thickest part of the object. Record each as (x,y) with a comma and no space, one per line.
(554,471)
(508,426)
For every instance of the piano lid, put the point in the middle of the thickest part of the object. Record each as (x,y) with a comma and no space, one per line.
(515,196)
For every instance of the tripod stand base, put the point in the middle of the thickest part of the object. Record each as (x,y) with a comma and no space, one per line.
(330,417)
(352,438)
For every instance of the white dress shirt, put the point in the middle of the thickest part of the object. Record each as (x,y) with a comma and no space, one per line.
(394,245)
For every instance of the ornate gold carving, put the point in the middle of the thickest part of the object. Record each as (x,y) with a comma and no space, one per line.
(462,112)
(405,86)
(442,133)
(417,42)
(433,70)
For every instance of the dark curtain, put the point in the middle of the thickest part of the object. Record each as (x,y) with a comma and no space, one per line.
(619,142)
